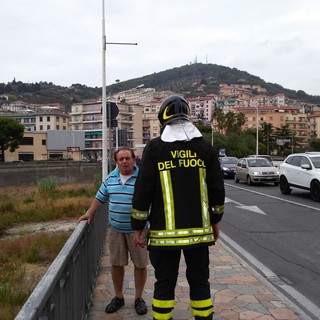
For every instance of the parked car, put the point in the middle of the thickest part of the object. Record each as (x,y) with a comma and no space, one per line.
(302,171)
(255,170)
(228,166)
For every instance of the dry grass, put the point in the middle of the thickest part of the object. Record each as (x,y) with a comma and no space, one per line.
(26,204)
(24,259)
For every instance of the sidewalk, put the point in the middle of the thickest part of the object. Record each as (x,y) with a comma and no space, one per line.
(238,293)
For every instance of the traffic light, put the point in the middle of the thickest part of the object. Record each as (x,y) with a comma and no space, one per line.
(112,111)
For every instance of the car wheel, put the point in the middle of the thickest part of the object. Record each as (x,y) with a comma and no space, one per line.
(236,180)
(284,185)
(315,190)
(249,181)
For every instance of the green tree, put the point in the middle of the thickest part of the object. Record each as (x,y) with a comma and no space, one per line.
(234,122)
(315,144)
(220,118)
(11,134)
(284,133)
(268,137)
(230,122)
(238,144)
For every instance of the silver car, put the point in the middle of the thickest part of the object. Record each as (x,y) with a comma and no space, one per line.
(256,170)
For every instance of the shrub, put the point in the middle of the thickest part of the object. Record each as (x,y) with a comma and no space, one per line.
(46,187)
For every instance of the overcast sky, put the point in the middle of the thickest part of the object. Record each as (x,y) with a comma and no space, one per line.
(60,41)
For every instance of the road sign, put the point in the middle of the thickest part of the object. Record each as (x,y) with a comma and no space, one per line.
(73,149)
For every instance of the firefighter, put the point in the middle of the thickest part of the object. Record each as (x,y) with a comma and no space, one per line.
(180,191)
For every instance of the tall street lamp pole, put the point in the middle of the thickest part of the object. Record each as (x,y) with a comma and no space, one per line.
(257,131)
(104,99)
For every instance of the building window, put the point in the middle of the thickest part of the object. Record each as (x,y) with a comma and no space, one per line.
(58,127)
(48,119)
(27,141)
(57,119)
(48,127)
(41,119)
(44,142)
(41,127)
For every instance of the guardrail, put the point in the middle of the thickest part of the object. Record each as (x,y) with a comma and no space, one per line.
(65,290)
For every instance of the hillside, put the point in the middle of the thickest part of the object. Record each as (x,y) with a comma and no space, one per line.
(185,80)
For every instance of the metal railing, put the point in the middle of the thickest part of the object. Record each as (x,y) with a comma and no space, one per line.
(65,290)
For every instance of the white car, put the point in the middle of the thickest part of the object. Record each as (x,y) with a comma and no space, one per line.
(302,171)
(256,170)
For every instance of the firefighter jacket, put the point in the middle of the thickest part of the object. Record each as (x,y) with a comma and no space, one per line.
(180,191)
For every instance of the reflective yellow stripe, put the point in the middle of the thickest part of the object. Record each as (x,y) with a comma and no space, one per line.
(180,232)
(201,308)
(218,209)
(181,241)
(139,215)
(204,197)
(201,303)
(166,186)
(202,313)
(162,316)
(166,305)
(163,303)
(181,237)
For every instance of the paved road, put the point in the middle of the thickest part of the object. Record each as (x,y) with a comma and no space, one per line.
(281,232)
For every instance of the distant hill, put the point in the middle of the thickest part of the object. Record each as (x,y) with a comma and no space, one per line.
(188,78)
(185,80)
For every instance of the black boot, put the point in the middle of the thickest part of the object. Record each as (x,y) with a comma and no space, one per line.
(204,318)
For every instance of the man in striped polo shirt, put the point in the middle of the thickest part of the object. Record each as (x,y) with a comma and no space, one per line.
(117,189)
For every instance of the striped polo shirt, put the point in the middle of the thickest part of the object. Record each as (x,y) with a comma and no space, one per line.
(119,196)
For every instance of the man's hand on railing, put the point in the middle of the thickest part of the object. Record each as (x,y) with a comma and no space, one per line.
(87,216)
(95,204)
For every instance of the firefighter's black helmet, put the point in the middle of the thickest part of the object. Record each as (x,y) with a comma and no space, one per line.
(173,108)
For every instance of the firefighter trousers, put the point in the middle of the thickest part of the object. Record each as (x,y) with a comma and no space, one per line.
(166,266)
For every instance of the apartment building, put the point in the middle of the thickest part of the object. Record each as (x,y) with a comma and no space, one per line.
(139,95)
(227,104)
(150,122)
(40,120)
(314,125)
(297,121)
(202,107)
(87,117)
(21,106)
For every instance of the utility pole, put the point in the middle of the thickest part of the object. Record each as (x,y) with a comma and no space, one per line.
(105,159)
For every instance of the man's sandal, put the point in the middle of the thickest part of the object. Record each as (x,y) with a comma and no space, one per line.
(140,306)
(115,304)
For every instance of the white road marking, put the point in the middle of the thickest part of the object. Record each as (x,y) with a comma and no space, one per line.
(244,207)
(274,197)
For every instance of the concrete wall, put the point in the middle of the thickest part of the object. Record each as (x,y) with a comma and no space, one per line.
(63,171)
